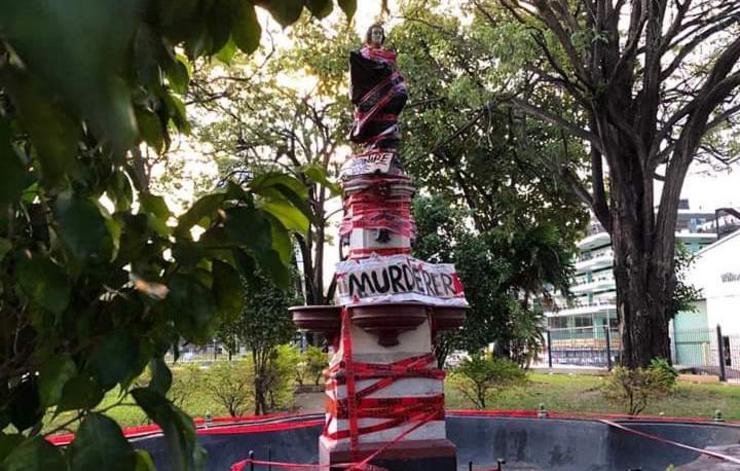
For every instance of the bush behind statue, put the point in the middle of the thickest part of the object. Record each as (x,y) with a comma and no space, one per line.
(635,389)
(480,377)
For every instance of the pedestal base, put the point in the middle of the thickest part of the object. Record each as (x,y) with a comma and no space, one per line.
(413,455)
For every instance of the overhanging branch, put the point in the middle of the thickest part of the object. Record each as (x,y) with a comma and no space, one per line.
(556,120)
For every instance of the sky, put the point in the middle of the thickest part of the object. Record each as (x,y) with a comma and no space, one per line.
(708,191)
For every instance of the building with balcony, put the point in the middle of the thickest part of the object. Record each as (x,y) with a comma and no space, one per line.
(578,325)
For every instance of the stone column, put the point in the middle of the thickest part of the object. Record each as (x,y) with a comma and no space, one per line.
(385,395)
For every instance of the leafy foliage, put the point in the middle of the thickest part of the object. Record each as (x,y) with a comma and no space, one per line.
(98,279)
(685,295)
(263,325)
(501,269)
(262,124)
(634,389)
(315,360)
(651,96)
(230,384)
(458,142)
(481,376)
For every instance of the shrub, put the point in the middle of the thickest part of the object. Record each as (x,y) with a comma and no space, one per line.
(280,373)
(230,384)
(187,380)
(671,375)
(634,389)
(481,376)
(310,366)
(316,362)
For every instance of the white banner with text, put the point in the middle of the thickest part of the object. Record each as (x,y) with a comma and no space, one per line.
(398,278)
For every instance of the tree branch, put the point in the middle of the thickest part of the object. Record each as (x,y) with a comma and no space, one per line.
(556,120)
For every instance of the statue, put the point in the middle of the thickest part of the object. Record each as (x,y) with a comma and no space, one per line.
(378,392)
(378,92)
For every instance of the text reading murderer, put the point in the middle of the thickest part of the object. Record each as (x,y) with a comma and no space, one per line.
(398,278)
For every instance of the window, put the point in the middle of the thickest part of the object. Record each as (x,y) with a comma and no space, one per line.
(584,321)
(558,322)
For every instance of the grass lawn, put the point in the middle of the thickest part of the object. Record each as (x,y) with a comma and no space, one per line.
(559,392)
(581,393)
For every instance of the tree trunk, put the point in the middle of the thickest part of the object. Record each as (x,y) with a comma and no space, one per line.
(642,276)
(260,402)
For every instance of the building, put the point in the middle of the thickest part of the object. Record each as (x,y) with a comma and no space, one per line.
(578,325)
(716,273)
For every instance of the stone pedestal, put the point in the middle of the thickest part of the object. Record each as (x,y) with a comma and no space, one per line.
(409,455)
(419,440)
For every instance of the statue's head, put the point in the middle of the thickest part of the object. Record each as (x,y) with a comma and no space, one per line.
(375,35)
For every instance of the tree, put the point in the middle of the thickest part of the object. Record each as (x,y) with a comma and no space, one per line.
(654,88)
(501,269)
(92,293)
(262,326)
(479,156)
(228,382)
(264,124)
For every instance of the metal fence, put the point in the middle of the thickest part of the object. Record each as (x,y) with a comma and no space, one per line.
(692,350)
(583,346)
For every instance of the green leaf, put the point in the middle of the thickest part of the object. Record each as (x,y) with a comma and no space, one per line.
(290,216)
(151,129)
(8,443)
(5,247)
(218,29)
(155,205)
(99,444)
(161,376)
(53,132)
(205,207)
(77,47)
(320,8)
(34,454)
(53,376)
(193,308)
(45,283)
(179,432)
(226,54)
(247,30)
(281,242)
(12,171)
(227,289)
(178,76)
(317,174)
(286,12)
(82,227)
(149,52)
(263,184)
(80,392)
(177,113)
(177,17)
(115,360)
(250,228)
(274,267)
(349,7)
(119,190)
(144,461)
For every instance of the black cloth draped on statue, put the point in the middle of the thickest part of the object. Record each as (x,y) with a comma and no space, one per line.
(378,93)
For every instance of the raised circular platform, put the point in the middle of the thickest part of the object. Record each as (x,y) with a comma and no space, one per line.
(558,443)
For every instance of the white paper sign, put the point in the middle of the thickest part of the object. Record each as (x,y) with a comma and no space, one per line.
(398,278)
(365,164)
